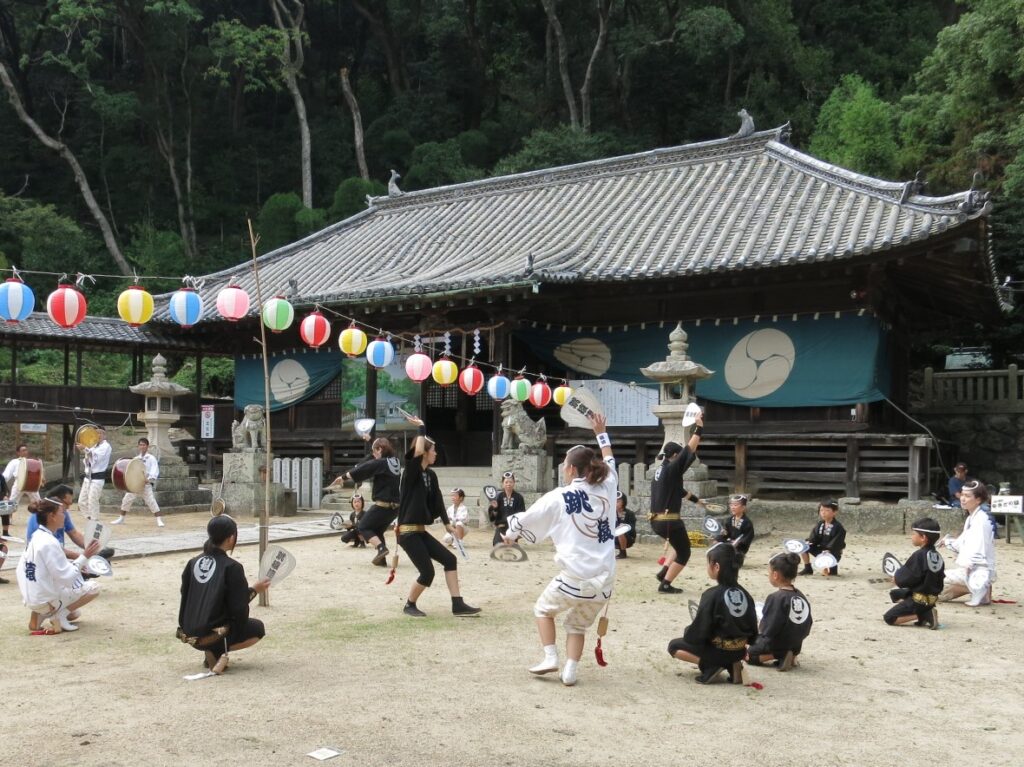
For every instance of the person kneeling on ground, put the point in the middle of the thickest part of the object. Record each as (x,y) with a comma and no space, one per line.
(623,516)
(787,617)
(975,551)
(50,584)
(214,612)
(828,535)
(919,581)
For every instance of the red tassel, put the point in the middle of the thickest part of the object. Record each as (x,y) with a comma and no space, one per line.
(661,561)
(391,577)
(599,654)
(756,685)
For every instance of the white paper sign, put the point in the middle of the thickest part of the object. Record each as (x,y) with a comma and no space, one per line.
(1008,504)
(206,422)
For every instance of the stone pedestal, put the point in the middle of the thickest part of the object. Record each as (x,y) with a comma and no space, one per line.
(243,487)
(175,491)
(534,473)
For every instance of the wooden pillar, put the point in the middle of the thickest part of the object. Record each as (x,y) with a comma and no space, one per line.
(914,473)
(67,364)
(1012,394)
(741,466)
(929,393)
(852,468)
(66,450)
(14,369)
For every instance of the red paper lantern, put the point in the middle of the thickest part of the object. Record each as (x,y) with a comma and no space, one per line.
(540,394)
(315,329)
(471,380)
(66,306)
(418,367)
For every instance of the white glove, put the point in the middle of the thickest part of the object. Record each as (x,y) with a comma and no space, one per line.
(81,563)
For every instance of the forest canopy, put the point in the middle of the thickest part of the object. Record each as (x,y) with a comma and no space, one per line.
(138,135)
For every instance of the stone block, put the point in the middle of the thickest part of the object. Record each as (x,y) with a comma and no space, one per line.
(534,473)
(244,467)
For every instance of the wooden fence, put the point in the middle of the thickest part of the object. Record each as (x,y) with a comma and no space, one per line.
(972,391)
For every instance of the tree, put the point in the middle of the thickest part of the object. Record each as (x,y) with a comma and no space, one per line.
(293,56)
(856,130)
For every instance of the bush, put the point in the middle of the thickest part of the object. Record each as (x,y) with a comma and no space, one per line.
(350,197)
(309,220)
(276,221)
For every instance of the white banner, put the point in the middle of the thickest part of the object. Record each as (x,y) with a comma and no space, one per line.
(1008,504)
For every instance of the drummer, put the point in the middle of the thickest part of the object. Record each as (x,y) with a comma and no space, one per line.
(152,474)
(96,466)
(11,473)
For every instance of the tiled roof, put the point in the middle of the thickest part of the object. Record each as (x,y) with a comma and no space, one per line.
(97,331)
(718,206)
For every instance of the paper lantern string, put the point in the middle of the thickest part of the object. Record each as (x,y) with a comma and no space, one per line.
(15,273)
(196,283)
(81,278)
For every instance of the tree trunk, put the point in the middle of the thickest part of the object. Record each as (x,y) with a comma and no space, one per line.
(380,23)
(480,85)
(292,58)
(563,62)
(79,173)
(604,8)
(357,123)
(165,145)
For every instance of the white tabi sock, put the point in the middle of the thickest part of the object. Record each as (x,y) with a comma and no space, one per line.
(569,672)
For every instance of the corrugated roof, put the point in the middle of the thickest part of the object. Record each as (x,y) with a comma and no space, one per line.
(718,206)
(98,331)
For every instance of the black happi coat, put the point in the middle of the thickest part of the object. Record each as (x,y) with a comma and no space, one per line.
(726,612)
(421,501)
(785,624)
(385,473)
(214,592)
(833,540)
(924,572)
(739,532)
(667,486)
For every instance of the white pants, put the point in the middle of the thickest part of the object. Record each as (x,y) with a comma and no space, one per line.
(579,603)
(147,496)
(977,580)
(89,498)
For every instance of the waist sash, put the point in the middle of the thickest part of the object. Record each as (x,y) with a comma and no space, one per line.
(411,529)
(385,504)
(729,644)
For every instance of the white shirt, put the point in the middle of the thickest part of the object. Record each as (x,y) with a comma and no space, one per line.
(152,467)
(579,519)
(458,513)
(976,545)
(98,458)
(44,570)
(11,472)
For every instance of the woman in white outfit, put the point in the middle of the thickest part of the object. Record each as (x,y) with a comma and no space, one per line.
(50,584)
(579,518)
(975,551)
(458,514)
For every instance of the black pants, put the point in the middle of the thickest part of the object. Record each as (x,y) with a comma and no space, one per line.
(710,656)
(5,520)
(423,547)
(251,629)
(907,607)
(375,521)
(674,531)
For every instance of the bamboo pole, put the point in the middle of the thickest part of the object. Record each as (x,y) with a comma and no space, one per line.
(265,511)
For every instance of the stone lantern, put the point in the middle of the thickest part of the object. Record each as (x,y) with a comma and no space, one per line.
(159,412)
(677,377)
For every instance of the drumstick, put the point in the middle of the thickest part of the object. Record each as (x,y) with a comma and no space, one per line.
(394,566)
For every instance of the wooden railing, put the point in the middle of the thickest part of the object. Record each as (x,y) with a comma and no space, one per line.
(973,391)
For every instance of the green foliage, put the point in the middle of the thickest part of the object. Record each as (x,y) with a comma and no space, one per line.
(437,164)
(350,197)
(218,376)
(251,53)
(707,33)
(155,251)
(856,130)
(475,148)
(561,146)
(276,221)
(309,220)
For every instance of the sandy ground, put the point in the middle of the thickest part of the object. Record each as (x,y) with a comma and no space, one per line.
(342,666)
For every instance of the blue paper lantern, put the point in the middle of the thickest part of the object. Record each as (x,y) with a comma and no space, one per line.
(380,353)
(16,300)
(499,387)
(186,307)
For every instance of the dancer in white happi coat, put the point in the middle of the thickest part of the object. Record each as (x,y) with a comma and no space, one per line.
(96,470)
(11,473)
(50,584)
(152,474)
(975,551)
(579,518)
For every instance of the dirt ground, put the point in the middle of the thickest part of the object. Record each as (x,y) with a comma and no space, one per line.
(342,666)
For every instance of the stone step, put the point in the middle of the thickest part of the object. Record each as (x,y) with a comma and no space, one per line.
(140,508)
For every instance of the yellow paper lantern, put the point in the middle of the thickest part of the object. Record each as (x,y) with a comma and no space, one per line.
(352,341)
(445,372)
(135,305)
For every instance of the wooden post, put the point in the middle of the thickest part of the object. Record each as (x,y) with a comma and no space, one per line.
(929,393)
(914,473)
(741,466)
(371,402)
(852,468)
(67,364)
(1011,384)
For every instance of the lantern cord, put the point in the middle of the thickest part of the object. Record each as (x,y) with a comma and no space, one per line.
(52,408)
